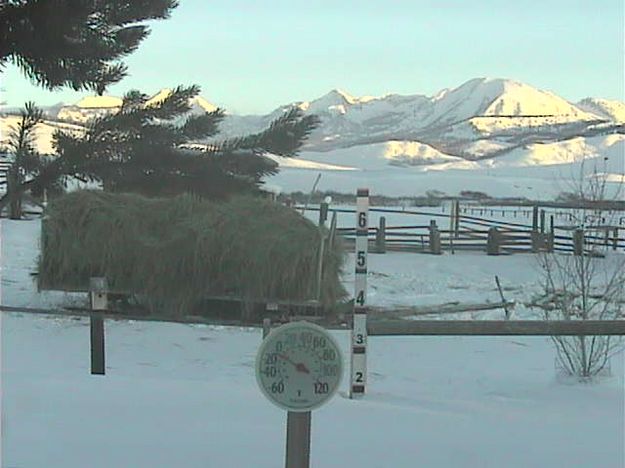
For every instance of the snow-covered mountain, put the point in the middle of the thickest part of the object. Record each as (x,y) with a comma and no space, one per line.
(484,124)
(609,110)
(504,112)
(98,106)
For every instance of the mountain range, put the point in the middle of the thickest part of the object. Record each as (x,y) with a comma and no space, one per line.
(484,123)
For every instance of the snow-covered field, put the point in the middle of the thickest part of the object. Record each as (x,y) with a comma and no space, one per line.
(537,171)
(185,396)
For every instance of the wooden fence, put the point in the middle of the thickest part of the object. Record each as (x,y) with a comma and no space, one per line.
(498,327)
(4,168)
(472,233)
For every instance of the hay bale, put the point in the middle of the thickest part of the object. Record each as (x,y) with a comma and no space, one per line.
(178,251)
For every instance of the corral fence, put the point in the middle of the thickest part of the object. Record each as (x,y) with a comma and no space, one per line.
(5,164)
(564,231)
(375,327)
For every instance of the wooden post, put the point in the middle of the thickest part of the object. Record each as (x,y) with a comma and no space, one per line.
(435,238)
(552,236)
(542,221)
(535,218)
(493,243)
(266,327)
(578,242)
(99,301)
(297,426)
(455,218)
(332,230)
(536,241)
(497,327)
(615,239)
(298,439)
(457,229)
(380,238)
(323,213)
(452,226)
(322,244)
(452,216)
(503,299)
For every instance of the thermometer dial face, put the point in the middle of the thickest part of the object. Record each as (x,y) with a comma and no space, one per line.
(299,366)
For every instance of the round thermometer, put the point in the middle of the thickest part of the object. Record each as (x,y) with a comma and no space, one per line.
(299,366)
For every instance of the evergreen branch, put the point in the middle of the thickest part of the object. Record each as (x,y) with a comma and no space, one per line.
(284,137)
(75,43)
(202,126)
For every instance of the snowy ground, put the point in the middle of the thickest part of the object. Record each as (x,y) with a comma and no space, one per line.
(185,396)
(537,171)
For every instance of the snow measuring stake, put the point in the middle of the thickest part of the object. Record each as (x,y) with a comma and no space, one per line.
(358,376)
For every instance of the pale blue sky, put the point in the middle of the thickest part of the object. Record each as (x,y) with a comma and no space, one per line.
(250,57)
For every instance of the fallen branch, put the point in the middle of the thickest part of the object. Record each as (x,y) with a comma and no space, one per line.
(447,308)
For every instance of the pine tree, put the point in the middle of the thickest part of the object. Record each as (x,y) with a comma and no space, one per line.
(143,149)
(26,160)
(75,43)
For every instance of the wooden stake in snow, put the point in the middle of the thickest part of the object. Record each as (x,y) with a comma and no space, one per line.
(358,376)
(503,299)
(99,301)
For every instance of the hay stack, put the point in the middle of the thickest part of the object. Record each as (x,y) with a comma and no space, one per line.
(177,251)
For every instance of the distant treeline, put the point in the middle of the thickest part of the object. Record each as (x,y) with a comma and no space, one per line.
(436,198)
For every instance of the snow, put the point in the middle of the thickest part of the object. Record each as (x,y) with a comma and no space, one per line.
(566,152)
(198,103)
(90,102)
(479,108)
(499,97)
(481,148)
(479,119)
(537,171)
(185,395)
(43,132)
(380,156)
(285,162)
(610,110)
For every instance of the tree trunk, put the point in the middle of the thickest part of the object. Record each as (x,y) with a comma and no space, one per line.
(15,195)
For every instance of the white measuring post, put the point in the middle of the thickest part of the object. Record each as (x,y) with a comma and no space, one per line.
(358,374)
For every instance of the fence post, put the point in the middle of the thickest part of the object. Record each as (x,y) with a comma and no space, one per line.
(452,225)
(493,243)
(323,213)
(380,238)
(332,235)
(435,238)
(552,236)
(542,221)
(615,239)
(535,218)
(578,242)
(266,326)
(98,297)
(457,220)
(322,246)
